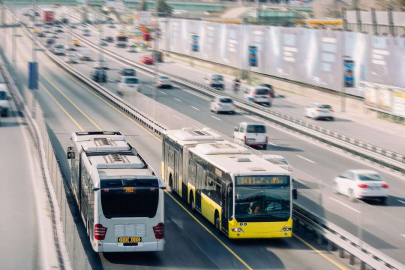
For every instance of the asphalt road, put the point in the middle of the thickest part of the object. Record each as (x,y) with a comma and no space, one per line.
(315,167)
(192,242)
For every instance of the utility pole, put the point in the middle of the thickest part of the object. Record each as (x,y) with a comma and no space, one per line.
(342,73)
(33,66)
(14,44)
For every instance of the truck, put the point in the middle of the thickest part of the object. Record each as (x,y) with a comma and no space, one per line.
(122,40)
(48,16)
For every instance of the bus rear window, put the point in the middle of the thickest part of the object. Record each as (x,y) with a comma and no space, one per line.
(126,202)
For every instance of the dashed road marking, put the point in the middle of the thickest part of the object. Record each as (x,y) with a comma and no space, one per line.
(305,159)
(351,208)
(195,108)
(177,99)
(163,92)
(216,118)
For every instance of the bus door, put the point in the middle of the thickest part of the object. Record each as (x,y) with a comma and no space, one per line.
(200,182)
(225,207)
(176,171)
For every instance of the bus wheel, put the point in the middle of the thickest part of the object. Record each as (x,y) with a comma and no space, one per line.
(171,183)
(217,221)
(192,202)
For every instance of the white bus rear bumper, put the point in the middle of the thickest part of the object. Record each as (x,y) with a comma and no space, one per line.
(141,247)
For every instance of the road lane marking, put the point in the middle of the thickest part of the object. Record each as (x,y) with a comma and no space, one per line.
(195,108)
(216,118)
(401,201)
(176,116)
(305,159)
(338,265)
(177,99)
(149,86)
(351,208)
(210,232)
(163,92)
(271,143)
(71,102)
(403,235)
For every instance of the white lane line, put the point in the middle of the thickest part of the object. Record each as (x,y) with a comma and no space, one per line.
(305,159)
(401,201)
(216,118)
(176,116)
(195,108)
(163,92)
(149,86)
(351,208)
(271,143)
(403,235)
(177,99)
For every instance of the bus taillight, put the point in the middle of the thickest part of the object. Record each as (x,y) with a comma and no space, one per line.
(159,231)
(99,232)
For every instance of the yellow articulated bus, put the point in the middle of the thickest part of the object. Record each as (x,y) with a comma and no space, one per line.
(243,195)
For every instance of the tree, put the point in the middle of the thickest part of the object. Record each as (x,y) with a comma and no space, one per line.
(142,6)
(355,4)
(163,9)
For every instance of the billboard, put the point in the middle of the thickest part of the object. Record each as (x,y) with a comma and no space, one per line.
(195,47)
(348,75)
(253,59)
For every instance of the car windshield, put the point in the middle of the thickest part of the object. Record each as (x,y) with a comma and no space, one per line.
(262,91)
(131,81)
(370,177)
(225,100)
(324,106)
(163,78)
(59,46)
(265,85)
(128,72)
(3,95)
(256,129)
(270,200)
(278,161)
(217,77)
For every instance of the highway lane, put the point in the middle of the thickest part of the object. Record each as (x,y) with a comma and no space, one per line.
(198,248)
(318,165)
(354,129)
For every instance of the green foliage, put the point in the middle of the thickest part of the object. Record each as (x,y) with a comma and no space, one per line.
(163,9)
(142,6)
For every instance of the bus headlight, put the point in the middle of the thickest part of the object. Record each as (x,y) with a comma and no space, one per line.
(237,230)
(286,229)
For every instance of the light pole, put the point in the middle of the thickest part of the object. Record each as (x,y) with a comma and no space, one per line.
(342,75)
(14,43)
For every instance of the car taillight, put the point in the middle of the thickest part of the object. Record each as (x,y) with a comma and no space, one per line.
(159,231)
(159,81)
(318,110)
(244,138)
(99,232)
(254,95)
(332,110)
(219,104)
(362,186)
(385,186)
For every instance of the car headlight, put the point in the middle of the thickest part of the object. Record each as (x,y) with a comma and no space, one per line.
(286,229)
(237,230)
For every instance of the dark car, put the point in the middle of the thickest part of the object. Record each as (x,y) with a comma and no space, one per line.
(158,56)
(64,20)
(109,39)
(103,43)
(50,42)
(59,31)
(73,27)
(99,75)
(270,87)
(40,34)
(128,72)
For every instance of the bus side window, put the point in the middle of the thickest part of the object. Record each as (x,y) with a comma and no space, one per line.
(217,193)
(191,172)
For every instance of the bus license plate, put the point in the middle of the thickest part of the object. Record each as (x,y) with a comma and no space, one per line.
(129,239)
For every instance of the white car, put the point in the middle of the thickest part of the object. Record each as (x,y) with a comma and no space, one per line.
(132,49)
(101,64)
(71,58)
(5,107)
(320,111)
(85,54)
(163,81)
(361,184)
(279,161)
(259,94)
(222,104)
(58,49)
(128,83)
(252,134)
(215,81)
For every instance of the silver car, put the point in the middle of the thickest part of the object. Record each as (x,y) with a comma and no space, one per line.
(163,81)
(222,104)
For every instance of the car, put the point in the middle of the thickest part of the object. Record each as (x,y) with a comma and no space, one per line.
(112,26)
(319,111)
(158,56)
(35,31)
(279,161)
(132,49)
(109,39)
(71,59)
(251,134)
(215,81)
(129,83)
(5,107)
(99,75)
(65,20)
(101,64)
(86,33)
(222,104)
(71,47)
(47,32)
(163,81)
(41,34)
(58,49)
(127,72)
(270,87)
(73,26)
(76,42)
(26,14)
(58,31)
(103,43)
(147,60)
(55,36)
(361,184)
(259,95)
(50,42)
(84,54)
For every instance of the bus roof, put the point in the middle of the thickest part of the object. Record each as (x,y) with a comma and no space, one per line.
(193,135)
(100,141)
(235,159)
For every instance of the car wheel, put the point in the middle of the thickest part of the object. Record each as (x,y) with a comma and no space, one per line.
(265,147)
(335,187)
(351,195)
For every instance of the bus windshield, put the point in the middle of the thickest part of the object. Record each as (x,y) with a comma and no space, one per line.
(140,200)
(262,199)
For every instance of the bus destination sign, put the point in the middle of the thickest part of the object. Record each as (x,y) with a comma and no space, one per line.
(262,180)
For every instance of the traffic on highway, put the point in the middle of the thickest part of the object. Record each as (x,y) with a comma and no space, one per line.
(173,161)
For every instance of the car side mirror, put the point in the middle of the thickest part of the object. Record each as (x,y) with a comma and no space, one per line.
(295,193)
(70,153)
(342,176)
(236,129)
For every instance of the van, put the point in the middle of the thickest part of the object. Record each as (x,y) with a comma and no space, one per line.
(259,94)
(215,81)
(251,134)
(5,98)
(84,54)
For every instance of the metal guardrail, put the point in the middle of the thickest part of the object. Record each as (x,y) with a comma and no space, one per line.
(392,160)
(344,240)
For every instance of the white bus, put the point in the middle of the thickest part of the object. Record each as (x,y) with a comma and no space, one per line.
(243,195)
(119,196)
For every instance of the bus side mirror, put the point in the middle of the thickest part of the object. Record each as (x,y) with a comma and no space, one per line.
(70,153)
(295,194)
